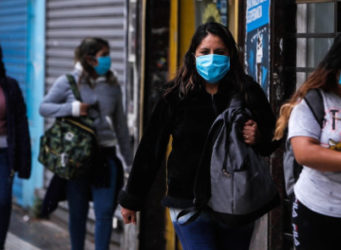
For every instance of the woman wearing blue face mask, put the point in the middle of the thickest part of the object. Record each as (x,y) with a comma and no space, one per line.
(102,101)
(211,74)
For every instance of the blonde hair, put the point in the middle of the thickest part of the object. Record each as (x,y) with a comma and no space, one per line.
(282,121)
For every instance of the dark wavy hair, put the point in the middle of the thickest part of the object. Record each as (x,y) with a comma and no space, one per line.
(325,77)
(2,65)
(90,47)
(187,78)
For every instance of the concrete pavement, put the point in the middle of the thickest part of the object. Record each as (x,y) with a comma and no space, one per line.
(27,233)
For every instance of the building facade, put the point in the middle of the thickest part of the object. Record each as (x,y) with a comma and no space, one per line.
(281,43)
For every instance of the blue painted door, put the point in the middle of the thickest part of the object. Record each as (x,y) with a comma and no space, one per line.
(17,38)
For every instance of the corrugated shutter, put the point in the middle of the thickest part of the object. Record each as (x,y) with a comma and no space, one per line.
(13,40)
(68,22)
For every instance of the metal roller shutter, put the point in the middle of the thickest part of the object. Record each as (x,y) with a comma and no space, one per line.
(69,21)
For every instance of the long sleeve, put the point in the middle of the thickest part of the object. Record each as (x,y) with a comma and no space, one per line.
(264,116)
(121,129)
(149,157)
(22,136)
(59,99)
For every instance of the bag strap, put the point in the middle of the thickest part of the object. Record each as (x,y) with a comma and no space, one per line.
(74,87)
(314,100)
(195,214)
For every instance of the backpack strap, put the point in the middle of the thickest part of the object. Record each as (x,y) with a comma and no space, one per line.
(314,100)
(74,87)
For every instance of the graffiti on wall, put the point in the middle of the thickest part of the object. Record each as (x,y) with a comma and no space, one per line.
(257,45)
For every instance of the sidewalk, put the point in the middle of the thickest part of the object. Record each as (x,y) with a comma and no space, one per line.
(27,233)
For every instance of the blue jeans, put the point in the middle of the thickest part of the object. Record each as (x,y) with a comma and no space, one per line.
(205,234)
(78,192)
(6,181)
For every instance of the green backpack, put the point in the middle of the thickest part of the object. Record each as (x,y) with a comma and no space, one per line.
(68,148)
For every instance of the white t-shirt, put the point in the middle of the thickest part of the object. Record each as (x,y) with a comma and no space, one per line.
(319,191)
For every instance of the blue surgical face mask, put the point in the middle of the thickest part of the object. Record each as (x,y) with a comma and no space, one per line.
(213,67)
(104,63)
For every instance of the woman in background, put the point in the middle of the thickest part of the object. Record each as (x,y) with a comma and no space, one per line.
(102,101)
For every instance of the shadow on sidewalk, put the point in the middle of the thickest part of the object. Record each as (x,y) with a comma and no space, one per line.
(27,233)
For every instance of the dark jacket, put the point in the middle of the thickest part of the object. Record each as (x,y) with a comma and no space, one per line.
(18,139)
(188,121)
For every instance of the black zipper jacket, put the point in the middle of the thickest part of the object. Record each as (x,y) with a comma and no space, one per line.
(18,138)
(188,121)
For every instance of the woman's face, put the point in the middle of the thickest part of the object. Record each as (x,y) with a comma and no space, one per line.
(211,44)
(103,52)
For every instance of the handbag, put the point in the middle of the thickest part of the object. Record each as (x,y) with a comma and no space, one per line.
(69,146)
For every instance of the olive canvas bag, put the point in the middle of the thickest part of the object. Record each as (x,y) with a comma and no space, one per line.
(68,147)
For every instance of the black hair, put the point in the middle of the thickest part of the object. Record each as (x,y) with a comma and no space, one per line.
(2,66)
(187,78)
(332,60)
(325,77)
(90,46)
(331,64)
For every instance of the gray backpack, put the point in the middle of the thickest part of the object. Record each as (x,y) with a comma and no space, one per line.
(291,167)
(240,187)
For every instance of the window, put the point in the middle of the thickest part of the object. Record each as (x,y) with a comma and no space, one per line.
(317,23)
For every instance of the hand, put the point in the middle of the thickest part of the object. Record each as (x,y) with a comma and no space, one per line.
(129,216)
(250,132)
(84,109)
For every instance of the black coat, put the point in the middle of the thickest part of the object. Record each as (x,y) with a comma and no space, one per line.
(188,121)
(18,138)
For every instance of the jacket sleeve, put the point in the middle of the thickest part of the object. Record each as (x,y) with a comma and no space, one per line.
(121,129)
(150,154)
(58,101)
(264,116)
(22,136)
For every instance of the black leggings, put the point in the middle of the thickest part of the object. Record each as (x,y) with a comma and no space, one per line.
(314,231)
